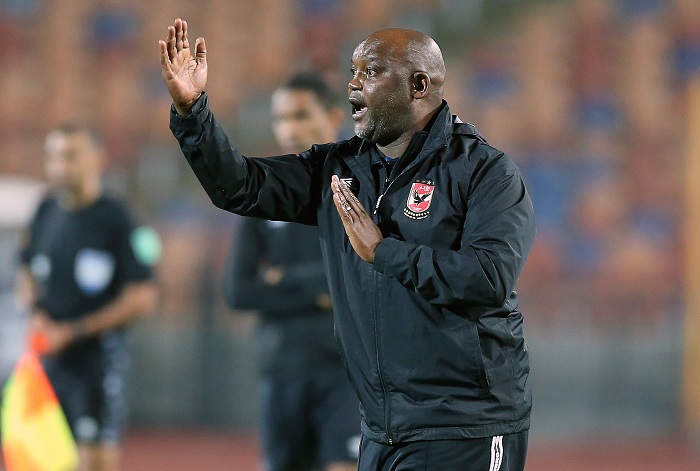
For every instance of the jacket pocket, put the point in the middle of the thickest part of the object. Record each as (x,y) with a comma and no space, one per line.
(495,343)
(473,344)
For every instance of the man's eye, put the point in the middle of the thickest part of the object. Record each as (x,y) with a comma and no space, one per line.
(353,70)
(370,72)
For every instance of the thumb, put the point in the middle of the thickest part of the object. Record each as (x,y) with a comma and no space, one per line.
(200,48)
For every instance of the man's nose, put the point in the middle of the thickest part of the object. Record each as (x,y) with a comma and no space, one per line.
(354,84)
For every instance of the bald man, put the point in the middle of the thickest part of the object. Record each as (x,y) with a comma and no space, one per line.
(424,230)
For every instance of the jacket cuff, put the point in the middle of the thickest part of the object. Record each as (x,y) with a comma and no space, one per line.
(197,115)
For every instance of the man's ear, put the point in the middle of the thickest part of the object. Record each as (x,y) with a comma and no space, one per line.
(420,85)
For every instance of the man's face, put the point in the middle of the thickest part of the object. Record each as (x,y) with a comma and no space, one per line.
(380,92)
(71,160)
(299,120)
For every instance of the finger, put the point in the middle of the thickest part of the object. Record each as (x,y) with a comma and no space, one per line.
(200,48)
(348,196)
(340,204)
(343,208)
(165,63)
(334,183)
(185,41)
(341,188)
(172,50)
(345,205)
(178,34)
(338,192)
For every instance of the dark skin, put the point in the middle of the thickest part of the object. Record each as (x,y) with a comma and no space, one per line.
(398,78)
(396,88)
(399,73)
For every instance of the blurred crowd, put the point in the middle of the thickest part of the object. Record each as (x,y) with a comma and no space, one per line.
(588,96)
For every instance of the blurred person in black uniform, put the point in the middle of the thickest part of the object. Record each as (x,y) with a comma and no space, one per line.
(424,230)
(310,415)
(85,274)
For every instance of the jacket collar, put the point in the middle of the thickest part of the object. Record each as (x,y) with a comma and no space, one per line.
(446,124)
(440,131)
(441,128)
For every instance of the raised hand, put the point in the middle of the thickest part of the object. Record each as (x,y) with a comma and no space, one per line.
(184,74)
(363,233)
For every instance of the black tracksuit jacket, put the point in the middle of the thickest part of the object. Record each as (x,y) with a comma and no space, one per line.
(430,333)
(294,336)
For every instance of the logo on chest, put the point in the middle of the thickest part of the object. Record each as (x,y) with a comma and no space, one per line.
(94,270)
(419,198)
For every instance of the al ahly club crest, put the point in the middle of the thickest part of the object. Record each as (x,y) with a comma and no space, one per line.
(419,198)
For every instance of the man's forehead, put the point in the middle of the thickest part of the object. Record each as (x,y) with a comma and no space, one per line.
(286,98)
(288,94)
(375,50)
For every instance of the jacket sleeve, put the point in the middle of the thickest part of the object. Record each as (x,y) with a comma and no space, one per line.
(497,235)
(309,276)
(284,188)
(243,287)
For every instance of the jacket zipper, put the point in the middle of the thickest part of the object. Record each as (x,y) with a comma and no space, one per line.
(388,181)
(387,184)
(377,340)
(385,394)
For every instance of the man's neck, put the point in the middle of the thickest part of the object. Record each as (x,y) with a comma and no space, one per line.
(399,146)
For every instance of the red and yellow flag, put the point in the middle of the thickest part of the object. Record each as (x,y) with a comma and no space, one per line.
(35,433)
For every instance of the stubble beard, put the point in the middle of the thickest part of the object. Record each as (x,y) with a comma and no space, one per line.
(383,131)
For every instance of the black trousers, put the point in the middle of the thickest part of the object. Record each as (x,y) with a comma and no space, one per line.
(500,453)
(308,423)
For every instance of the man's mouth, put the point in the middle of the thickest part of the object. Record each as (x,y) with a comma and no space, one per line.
(359,109)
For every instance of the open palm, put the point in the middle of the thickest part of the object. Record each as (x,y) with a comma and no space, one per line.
(184,73)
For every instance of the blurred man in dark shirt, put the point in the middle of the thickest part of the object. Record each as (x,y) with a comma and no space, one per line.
(85,274)
(310,417)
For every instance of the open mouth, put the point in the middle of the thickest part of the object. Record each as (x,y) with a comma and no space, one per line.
(359,109)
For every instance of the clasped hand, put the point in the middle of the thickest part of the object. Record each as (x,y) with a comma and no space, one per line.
(363,233)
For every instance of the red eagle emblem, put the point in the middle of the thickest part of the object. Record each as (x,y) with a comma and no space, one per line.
(419,197)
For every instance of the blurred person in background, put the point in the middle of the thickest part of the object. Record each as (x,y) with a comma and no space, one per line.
(310,413)
(85,273)
(424,231)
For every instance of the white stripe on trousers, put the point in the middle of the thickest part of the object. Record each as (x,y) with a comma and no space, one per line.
(496,453)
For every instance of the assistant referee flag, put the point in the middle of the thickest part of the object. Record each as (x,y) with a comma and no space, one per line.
(35,433)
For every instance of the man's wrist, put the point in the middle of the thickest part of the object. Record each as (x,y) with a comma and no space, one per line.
(184,110)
